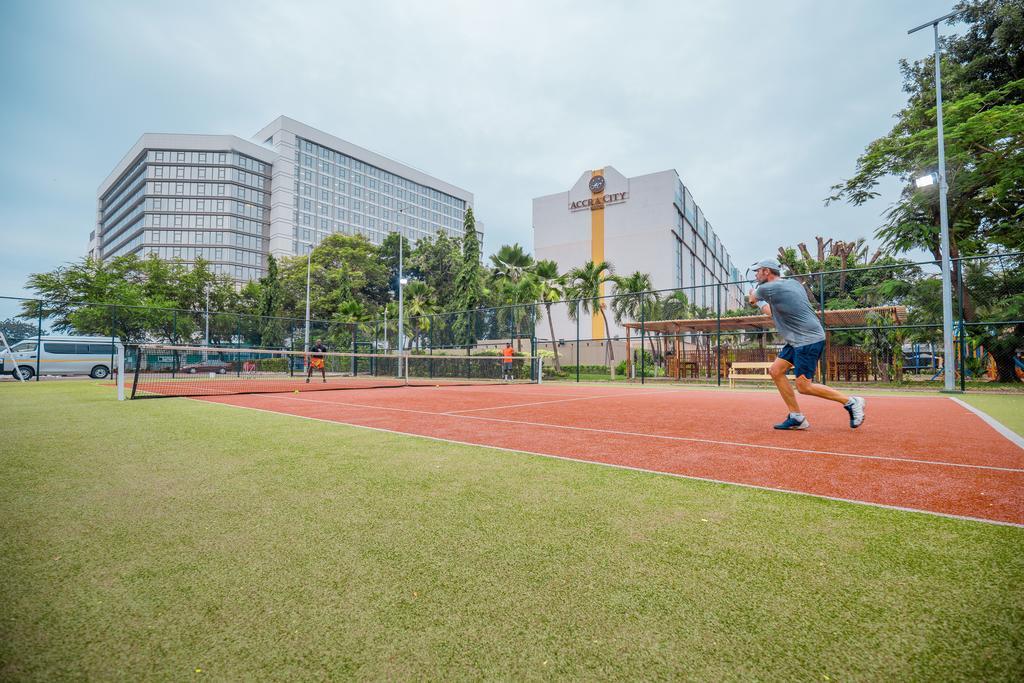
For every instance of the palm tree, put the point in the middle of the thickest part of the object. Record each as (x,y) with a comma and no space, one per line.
(511,262)
(418,307)
(585,286)
(511,266)
(551,290)
(634,299)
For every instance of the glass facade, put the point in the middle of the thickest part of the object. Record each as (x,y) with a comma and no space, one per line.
(173,203)
(701,258)
(335,192)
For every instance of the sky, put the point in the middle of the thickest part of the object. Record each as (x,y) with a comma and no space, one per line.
(760,107)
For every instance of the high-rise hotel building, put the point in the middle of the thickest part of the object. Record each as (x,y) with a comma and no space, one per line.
(232,201)
(647,223)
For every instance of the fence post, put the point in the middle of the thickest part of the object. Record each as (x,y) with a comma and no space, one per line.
(39,338)
(238,345)
(821,304)
(643,326)
(718,334)
(963,327)
(113,329)
(577,341)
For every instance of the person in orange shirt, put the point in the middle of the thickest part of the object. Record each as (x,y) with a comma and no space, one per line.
(316,361)
(507,354)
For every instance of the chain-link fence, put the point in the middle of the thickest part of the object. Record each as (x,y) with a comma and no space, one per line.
(883,326)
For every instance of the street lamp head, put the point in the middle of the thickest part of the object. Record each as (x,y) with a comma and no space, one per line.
(925,180)
(403,281)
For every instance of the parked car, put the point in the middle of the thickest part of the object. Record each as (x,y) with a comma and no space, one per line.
(209,365)
(93,356)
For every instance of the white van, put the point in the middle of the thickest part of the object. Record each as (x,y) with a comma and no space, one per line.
(62,356)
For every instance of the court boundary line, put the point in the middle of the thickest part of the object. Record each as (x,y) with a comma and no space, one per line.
(787,449)
(1012,436)
(632,468)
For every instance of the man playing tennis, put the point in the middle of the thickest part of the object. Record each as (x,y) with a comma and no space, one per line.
(316,360)
(507,356)
(798,325)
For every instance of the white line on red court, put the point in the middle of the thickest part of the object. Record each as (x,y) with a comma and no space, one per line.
(661,437)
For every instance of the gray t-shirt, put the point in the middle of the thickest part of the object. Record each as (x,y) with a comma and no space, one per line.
(794,318)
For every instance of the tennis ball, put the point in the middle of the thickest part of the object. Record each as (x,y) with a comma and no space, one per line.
(296,391)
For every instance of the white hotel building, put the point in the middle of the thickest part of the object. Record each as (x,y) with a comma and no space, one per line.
(232,201)
(647,223)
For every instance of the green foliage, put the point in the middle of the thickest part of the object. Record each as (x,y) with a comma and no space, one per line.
(585,286)
(135,299)
(983,112)
(15,330)
(469,283)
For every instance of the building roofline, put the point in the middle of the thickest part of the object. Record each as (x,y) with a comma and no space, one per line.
(377,159)
(185,141)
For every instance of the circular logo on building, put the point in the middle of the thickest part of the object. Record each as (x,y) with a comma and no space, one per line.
(597,184)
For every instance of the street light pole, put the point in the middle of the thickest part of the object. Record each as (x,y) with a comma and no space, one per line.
(401,298)
(206,334)
(309,268)
(948,365)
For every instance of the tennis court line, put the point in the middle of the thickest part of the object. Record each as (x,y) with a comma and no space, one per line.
(540,403)
(665,437)
(633,468)
(995,424)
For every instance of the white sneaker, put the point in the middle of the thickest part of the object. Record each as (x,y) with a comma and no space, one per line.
(856,410)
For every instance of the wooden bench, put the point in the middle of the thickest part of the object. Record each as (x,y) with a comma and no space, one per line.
(749,371)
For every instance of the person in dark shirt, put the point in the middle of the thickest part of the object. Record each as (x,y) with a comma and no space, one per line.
(316,360)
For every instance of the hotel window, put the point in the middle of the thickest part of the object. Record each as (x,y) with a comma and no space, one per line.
(200,221)
(179,188)
(202,173)
(159,171)
(220,221)
(177,236)
(202,157)
(181,156)
(201,205)
(220,189)
(177,221)
(159,156)
(156,219)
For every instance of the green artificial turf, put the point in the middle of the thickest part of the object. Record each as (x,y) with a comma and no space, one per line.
(169,539)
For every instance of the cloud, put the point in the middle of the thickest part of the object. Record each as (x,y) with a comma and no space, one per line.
(759,106)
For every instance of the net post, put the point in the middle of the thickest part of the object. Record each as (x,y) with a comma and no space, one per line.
(540,370)
(120,372)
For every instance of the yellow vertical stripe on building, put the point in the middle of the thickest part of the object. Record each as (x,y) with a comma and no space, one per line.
(597,254)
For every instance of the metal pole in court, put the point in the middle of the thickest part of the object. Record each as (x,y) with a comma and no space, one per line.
(949,383)
(577,341)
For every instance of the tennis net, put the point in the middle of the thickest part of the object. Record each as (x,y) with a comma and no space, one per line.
(161,370)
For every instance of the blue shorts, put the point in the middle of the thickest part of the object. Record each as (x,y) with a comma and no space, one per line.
(804,358)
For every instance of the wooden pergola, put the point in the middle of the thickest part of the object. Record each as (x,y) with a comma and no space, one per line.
(844,318)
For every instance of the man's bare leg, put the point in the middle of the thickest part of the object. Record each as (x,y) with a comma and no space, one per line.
(808,387)
(778,373)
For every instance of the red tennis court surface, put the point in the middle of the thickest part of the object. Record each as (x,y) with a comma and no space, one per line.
(928,453)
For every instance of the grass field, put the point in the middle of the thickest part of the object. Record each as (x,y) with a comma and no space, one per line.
(171,538)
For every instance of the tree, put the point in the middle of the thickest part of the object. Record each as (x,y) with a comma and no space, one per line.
(436,261)
(550,289)
(983,89)
(135,299)
(343,268)
(15,330)
(469,284)
(418,306)
(585,285)
(270,306)
(634,299)
(511,262)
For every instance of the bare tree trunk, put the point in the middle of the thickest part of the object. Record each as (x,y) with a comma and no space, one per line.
(610,353)
(554,343)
